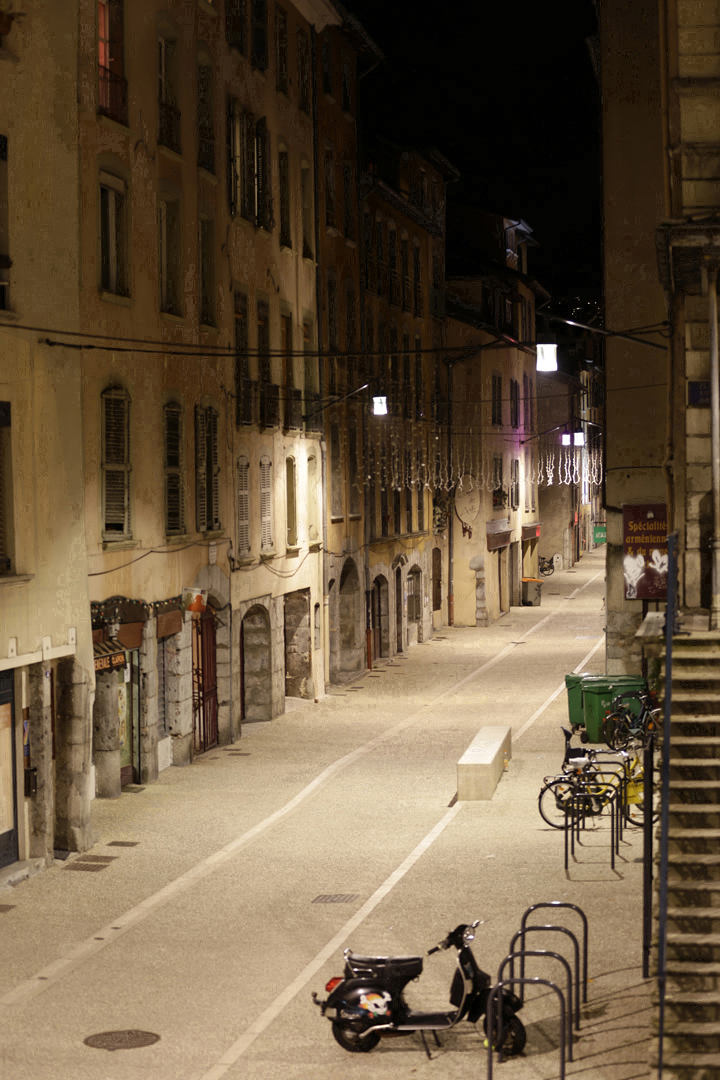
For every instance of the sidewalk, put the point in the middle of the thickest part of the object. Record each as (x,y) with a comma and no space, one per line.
(217,898)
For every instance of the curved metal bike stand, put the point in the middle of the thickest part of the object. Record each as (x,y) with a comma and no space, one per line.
(560,930)
(510,959)
(497,989)
(583,916)
(574,819)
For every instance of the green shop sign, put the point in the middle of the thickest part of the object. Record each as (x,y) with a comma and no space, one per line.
(600,534)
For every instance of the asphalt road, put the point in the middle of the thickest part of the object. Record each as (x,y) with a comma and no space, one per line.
(204,925)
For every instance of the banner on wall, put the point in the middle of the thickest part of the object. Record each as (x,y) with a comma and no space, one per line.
(645,557)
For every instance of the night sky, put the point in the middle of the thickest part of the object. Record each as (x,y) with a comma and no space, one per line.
(507,92)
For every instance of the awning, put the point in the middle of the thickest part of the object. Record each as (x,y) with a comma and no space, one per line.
(531,532)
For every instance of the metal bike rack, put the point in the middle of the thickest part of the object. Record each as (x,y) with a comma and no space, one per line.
(493,999)
(579,911)
(560,930)
(510,959)
(574,820)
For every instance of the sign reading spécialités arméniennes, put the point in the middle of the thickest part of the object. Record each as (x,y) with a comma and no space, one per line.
(645,559)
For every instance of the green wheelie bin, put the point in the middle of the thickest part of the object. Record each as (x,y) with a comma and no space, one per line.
(598,694)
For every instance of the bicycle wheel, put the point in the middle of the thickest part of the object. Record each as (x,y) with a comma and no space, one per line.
(548,569)
(554,802)
(635,805)
(617,730)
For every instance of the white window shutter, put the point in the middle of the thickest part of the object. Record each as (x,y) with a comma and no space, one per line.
(266,541)
(243,537)
(116,463)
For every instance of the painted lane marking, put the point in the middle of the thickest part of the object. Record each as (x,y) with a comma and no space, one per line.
(238,1048)
(556,693)
(74,955)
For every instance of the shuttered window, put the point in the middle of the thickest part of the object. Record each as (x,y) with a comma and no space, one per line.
(174,470)
(263,180)
(290,502)
(207,470)
(116,463)
(259,34)
(236,25)
(6,515)
(162,729)
(266,538)
(243,490)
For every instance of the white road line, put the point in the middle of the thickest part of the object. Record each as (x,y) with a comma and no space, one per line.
(238,1048)
(556,693)
(82,951)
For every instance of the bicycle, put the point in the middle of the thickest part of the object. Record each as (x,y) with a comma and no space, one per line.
(583,774)
(621,726)
(546,566)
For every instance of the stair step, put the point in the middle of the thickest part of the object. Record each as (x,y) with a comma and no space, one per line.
(702,763)
(693,785)
(695,997)
(693,912)
(674,1060)
(697,653)
(694,808)
(689,859)
(695,886)
(693,834)
(695,740)
(692,967)
(674,938)
(691,1027)
(695,718)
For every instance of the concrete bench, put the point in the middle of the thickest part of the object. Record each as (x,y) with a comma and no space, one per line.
(481,766)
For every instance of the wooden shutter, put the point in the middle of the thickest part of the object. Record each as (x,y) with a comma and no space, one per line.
(201,464)
(174,486)
(249,203)
(115,20)
(266,541)
(213,469)
(231,140)
(235,31)
(243,535)
(116,462)
(262,157)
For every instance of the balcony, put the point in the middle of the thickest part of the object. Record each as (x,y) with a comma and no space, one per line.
(246,411)
(419,300)
(293,409)
(206,151)
(113,96)
(169,126)
(269,405)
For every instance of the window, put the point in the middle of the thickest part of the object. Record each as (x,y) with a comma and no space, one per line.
(113,235)
(394,372)
(281,50)
(266,494)
(243,389)
(498,495)
(332,306)
(354,477)
(408,491)
(207,469)
(369,347)
(527,480)
(284,183)
(7,520)
(515,484)
(405,273)
(243,491)
(514,403)
(174,470)
(169,255)
(112,99)
(417,281)
(303,55)
(236,156)
(307,211)
(168,113)
(336,492)
(259,34)
(207,272)
(407,377)
(393,291)
(526,403)
(206,119)
(263,181)
(263,341)
(293,402)
(346,98)
(348,202)
(116,464)
(531,405)
(312,499)
(329,188)
(367,251)
(497,398)
(327,75)
(419,384)
(236,25)
(290,502)
(311,367)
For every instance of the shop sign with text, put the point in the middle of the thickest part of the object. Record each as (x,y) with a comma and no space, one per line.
(645,557)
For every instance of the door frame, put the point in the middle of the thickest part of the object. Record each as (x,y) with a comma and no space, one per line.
(9,840)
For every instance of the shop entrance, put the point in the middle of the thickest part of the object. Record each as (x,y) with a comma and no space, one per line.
(204,681)
(380,617)
(128,678)
(8,774)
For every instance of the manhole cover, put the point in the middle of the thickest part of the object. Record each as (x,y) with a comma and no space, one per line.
(121,1040)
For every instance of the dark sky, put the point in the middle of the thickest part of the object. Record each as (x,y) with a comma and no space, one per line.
(507,92)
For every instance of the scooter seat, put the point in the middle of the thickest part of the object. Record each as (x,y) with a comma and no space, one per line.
(401,968)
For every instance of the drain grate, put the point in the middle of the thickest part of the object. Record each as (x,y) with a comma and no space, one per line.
(336,898)
(121,1040)
(58,853)
(99,858)
(239,753)
(123,843)
(7,907)
(90,867)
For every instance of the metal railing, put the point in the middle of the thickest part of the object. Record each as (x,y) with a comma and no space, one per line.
(113,96)
(247,402)
(169,126)
(293,408)
(269,404)
(206,152)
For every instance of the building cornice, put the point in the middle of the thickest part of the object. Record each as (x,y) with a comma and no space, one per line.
(319,13)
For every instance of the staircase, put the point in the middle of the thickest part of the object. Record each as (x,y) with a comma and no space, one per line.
(691,1046)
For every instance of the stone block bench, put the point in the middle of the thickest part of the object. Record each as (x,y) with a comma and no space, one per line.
(481,766)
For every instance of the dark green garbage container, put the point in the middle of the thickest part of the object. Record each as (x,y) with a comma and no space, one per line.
(573,684)
(598,694)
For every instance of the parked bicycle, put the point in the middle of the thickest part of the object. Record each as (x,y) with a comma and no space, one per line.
(621,725)
(599,775)
(546,566)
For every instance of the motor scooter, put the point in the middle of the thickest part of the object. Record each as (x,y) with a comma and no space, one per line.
(367,1002)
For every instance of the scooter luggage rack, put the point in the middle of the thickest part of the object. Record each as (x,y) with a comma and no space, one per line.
(560,930)
(493,1001)
(583,916)
(510,959)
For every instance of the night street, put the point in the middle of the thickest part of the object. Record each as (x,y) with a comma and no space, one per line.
(208,931)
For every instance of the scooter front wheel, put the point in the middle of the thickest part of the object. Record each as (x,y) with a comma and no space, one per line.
(356,1038)
(513,1035)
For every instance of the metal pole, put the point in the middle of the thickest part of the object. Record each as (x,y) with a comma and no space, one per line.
(714,444)
(648,777)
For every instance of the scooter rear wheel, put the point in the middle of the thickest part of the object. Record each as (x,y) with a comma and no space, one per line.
(356,1038)
(514,1036)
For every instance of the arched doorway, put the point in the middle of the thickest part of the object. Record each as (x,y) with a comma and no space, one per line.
(351,619)
(398,611)
(414,604)
(380,617)
(255,665)
(204,681)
